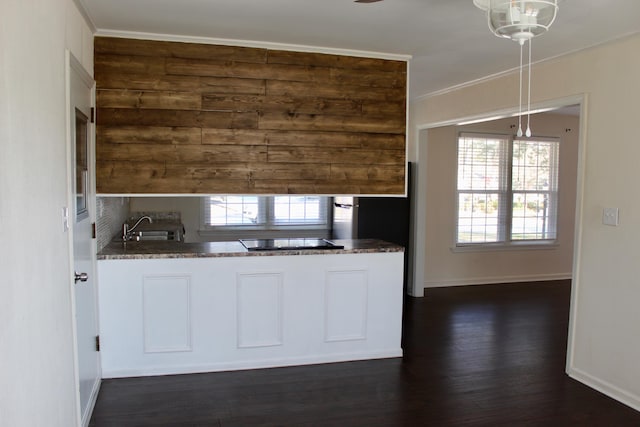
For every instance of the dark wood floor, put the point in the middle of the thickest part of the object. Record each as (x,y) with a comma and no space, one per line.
(474,356)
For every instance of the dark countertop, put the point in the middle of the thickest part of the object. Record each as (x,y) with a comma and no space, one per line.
(169,249)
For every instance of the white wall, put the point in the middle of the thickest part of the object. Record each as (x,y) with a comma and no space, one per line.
(37,380)
(444,267)
(604,347)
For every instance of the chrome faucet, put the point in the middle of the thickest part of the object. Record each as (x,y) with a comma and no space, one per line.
(126,231)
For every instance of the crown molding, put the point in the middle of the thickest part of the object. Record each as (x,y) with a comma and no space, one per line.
(515,69)
(467,84)
(253,43)
(83,11)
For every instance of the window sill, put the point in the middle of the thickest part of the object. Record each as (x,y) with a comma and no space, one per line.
(498,247)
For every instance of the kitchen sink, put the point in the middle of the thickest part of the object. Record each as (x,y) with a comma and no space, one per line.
(153,235)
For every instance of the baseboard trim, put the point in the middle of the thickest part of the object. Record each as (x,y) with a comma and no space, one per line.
(492,280)
(86,417)
(250,364)
(604,387)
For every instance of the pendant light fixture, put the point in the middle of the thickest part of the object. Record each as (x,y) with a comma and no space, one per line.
(520,21)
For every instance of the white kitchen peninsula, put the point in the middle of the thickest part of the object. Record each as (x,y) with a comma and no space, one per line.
(169,308)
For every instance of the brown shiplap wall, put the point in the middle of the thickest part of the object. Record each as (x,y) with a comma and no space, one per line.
(197,118)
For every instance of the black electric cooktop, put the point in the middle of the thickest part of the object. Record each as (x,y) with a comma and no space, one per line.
(288,244)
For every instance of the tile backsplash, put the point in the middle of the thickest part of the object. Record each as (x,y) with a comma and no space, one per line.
(156,216)
(112,212)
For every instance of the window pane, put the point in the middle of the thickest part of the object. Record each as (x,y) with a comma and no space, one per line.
(82,141)
(233,210)
(533,217)
(480,163)
(298,210)
(535,165)
(478,218)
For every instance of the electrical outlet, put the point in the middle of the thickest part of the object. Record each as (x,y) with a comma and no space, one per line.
(610,216)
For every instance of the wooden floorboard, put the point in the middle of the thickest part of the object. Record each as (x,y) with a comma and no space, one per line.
(490,355)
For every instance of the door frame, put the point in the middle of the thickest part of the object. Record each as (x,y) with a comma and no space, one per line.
(418,226)
(72,64)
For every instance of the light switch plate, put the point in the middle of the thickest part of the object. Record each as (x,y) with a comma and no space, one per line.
(65,219)
(610,216)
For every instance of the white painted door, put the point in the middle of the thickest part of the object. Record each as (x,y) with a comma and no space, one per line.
(80,219)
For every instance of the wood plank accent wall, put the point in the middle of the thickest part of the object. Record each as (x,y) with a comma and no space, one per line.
(206,119)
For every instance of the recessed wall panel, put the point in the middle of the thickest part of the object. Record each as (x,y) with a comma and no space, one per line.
(166,313)
(346,305)
(259,308)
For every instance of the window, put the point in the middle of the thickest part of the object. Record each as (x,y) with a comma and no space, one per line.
(82,169)
(507,189)
(265,212)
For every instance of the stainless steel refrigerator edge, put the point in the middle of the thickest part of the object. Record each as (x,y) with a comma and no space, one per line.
(344,215)
(385,218)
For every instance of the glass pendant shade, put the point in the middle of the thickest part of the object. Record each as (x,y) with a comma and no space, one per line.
(481,4)
(520,20)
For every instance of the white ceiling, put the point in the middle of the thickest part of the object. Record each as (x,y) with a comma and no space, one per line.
(448,40)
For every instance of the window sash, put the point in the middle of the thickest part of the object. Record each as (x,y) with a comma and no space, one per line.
(482,188)
(505,197)
(234,211)
(478,224)
(265,212)
(307,210)
(536,217)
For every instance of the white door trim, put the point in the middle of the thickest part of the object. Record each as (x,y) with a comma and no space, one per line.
(74,65)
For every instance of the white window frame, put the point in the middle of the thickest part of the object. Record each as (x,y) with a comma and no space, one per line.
(268,226)
(506,193)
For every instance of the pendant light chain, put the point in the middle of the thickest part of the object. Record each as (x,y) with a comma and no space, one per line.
(528,133)
(519,133)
